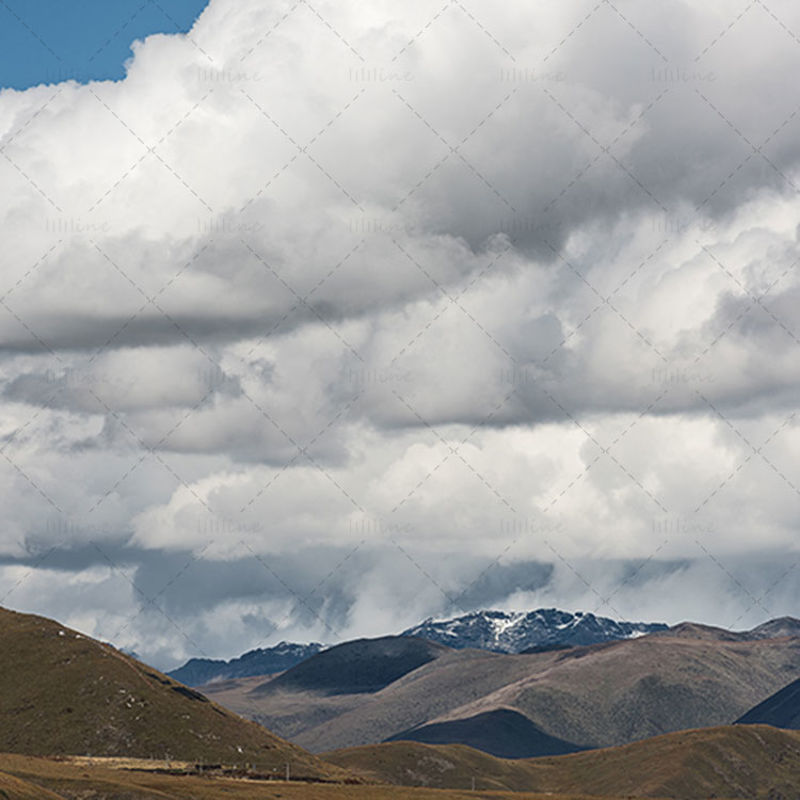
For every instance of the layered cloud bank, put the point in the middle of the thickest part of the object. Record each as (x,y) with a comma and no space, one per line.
(325,319)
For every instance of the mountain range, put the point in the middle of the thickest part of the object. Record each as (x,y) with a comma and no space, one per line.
(516,632)
(261,661)
(498,631)
(587,696)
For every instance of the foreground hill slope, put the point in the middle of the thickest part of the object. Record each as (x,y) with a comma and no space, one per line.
(782,709)
(595,696)
(65,693)
(732,762)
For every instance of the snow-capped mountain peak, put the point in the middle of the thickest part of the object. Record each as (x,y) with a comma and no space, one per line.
(516,631)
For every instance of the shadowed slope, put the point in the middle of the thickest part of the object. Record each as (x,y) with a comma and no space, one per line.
(360,666)
(504,733)
(781,709)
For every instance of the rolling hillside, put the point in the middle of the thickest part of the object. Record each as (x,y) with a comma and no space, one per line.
(324,721)
(595,696)
(62,692)
(755,762)
(621,692)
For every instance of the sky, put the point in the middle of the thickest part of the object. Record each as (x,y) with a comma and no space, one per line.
(327,318)
(50,41)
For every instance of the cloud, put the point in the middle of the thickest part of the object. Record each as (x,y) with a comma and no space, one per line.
(344,305)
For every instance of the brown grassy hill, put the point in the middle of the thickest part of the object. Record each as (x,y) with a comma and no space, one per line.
(322,722)
(436,766)
(751,762)
(48,779)
(632,690)
(600,695)
(62,692)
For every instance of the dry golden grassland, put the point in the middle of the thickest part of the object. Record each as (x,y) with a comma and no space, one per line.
(34,778)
